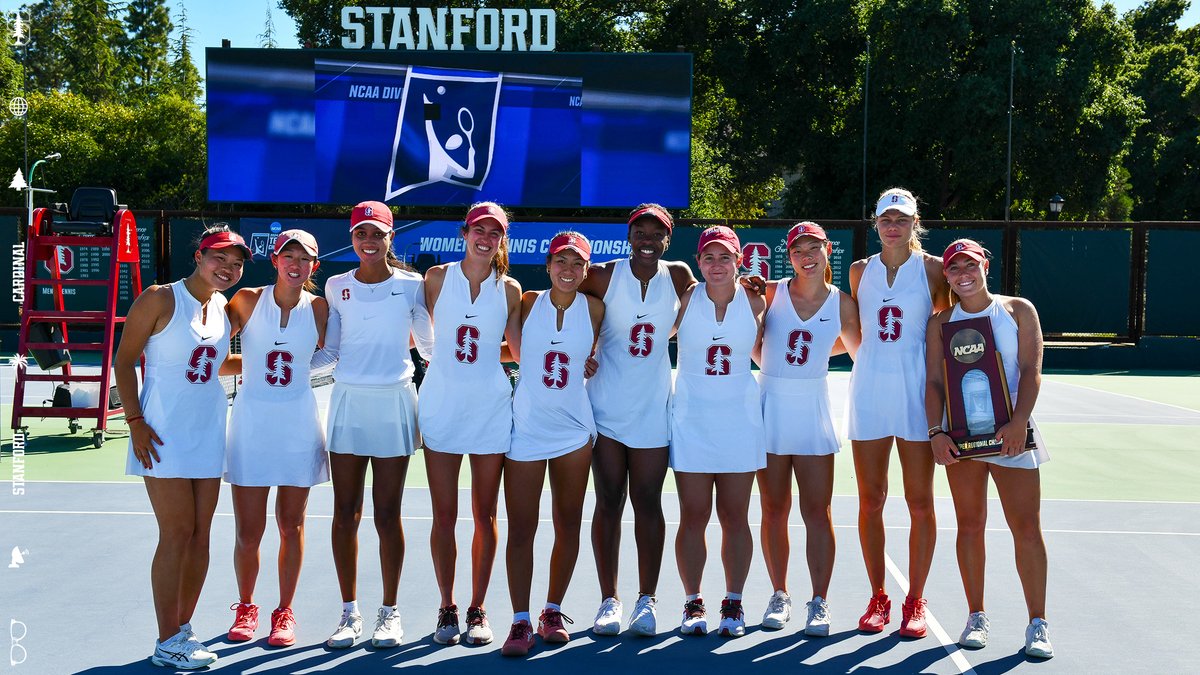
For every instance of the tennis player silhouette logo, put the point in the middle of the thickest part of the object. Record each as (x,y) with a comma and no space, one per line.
(445,130)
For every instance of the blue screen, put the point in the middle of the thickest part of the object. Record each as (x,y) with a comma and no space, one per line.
(522,129)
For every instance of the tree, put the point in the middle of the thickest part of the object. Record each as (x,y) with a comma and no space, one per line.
(184,79)
(145,44)
(45,55)
(266,38)
(91,67)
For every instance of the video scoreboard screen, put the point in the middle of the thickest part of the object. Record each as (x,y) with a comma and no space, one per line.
(431,129)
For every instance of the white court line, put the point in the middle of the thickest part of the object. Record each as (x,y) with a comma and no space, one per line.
(956,654)
(468,519)
(1136,398)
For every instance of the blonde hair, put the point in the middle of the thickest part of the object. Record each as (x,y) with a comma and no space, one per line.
(500,257)
(918,230)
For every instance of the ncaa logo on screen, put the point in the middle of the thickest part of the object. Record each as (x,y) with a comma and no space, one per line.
(65,257)
(445,130)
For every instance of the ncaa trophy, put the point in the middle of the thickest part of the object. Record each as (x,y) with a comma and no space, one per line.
(977,400)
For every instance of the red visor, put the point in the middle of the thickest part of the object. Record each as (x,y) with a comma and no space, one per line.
(575,242)
(220,240)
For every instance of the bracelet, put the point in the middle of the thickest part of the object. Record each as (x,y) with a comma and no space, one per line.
(933,431)
(938,432)
(134,418)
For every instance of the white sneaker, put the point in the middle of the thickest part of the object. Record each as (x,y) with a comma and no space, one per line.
(1037,640)
(779,611)
(733,619)
(388,632)
(608,618)
(695,618)
(447,632)
(182,653)
(479,631)
(817,623)
(348,631)
(644,620)
(975,635)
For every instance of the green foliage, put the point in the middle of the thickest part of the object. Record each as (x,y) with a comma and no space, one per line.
(91,65)
(151,153)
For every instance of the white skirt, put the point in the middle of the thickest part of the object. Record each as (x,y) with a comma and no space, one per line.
(373,420)
(1030,459)
(797,416)
(192,429)
(717,425)
(888,399)
(466,419)
(275,442)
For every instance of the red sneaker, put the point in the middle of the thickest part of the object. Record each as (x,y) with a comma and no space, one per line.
(912,624)
(550,626)
(878,615)
(520,640)
(283,628)
(245,622)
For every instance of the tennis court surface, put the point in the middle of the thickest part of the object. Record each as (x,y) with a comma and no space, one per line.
(1121,515)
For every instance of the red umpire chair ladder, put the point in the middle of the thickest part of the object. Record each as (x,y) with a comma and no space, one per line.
(94,219)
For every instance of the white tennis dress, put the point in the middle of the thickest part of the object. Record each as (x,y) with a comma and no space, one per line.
(795,366)
(373,406)
(551,412)
(631,390)
(716,415)
(275,435)
(466,399)
(182,399)
(887,385)
(1004,330)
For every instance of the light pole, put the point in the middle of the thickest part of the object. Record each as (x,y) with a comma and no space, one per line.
(1056,206)
(1012,65)
(29,189)
(866,101)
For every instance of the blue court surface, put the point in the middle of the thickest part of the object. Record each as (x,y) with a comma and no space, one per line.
(1121,516)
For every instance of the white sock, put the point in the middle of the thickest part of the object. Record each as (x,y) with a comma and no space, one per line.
(551,605)
(785,593)
(522,616)
(393,609)
(733,596)
(693,596)
(648,596)
(350,607)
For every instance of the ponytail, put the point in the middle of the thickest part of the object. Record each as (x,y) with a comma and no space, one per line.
(500,260)
(394,262)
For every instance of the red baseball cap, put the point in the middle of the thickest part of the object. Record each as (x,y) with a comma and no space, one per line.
(220,240)
(488,210)
(966,247)
(373,213)
(653,211)
(574,241)
(720,234)
(806,229)
(306,241)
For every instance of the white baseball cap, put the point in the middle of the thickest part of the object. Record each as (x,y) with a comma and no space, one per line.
(896,201)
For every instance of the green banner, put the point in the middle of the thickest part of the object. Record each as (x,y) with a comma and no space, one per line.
(1172,305)
(1078,279)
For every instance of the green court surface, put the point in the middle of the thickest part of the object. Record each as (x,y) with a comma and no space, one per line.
(1096,452)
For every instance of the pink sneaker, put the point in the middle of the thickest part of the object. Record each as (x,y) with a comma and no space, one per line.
(550,626)
(245,622)
(912,624)
(520,640)
(878,615)
(283,628)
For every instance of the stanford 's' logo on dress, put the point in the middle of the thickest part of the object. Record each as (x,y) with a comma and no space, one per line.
(466,344)
(641,339)
(554,370)
(717,360)
(889,323)
(200,366)
(797,347)
(279,368)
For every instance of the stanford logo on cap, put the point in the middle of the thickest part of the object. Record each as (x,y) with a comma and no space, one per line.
(368,211)
(958,247)
(895,198)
